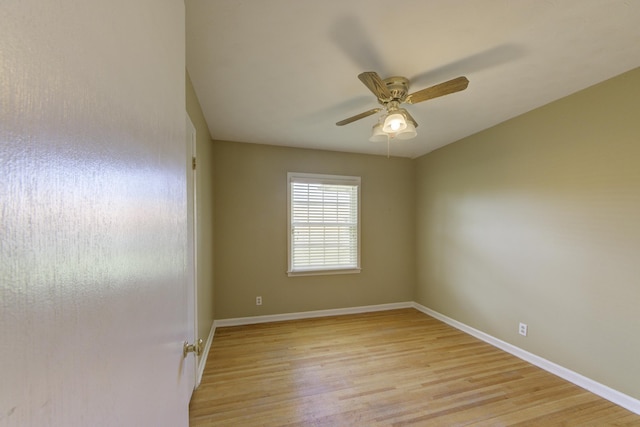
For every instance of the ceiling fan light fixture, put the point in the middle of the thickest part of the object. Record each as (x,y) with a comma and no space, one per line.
(408,133)
(377,135)
(391,93)
(394,122)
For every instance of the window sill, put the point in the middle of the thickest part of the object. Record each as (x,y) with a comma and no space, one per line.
(323,272)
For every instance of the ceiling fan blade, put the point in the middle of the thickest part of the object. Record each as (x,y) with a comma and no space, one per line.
(446,88)
(358,117)
(372,80)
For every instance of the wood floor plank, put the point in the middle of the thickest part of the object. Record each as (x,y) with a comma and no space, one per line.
(390,368)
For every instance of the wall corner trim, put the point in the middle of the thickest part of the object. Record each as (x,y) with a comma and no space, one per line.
(595,387)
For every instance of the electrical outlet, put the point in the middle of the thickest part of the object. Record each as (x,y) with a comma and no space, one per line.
(522,330)
(258,300)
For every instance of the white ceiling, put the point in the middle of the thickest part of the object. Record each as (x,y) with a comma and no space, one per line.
(283,72)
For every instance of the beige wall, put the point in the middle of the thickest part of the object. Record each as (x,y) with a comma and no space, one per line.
(537,220)
(204,206)
(251,231)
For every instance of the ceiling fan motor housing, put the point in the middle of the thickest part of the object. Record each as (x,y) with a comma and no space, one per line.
(398,87)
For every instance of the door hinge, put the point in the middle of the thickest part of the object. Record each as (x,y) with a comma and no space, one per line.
(193,163)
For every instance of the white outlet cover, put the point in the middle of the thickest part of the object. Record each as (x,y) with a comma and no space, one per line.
(523,329)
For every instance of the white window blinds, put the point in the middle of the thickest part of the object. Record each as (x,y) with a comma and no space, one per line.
(323,224)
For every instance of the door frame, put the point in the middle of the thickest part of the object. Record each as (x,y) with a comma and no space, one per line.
(192,243)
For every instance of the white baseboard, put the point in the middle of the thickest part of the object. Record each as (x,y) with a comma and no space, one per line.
(202,359)
(311,314)
(595,387)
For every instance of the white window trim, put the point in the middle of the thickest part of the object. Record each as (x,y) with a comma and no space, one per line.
(323,178)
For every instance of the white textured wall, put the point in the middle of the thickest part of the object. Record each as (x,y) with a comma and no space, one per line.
(92,311)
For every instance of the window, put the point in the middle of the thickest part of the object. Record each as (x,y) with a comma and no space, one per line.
(324,224)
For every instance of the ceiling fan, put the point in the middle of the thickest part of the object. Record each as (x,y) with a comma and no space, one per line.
(396,122)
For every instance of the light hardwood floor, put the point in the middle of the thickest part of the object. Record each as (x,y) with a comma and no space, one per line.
(389,368)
